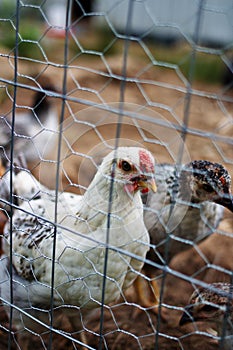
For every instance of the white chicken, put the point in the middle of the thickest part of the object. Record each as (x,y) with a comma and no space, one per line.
(109,214)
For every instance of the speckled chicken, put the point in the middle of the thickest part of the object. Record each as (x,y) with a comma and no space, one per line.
(186,208)
(213,307)
(85,225)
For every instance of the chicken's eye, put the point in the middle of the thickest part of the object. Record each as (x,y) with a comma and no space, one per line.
(209,308)
(207,188)
(126,166)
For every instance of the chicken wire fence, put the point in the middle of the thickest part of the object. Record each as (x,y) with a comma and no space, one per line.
(79,79)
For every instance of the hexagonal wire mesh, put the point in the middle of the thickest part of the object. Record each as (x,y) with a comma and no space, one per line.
(79,79)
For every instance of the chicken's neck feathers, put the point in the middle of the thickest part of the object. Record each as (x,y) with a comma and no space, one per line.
(102,196)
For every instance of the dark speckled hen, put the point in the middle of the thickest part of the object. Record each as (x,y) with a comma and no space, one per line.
(199,194)
(213,306)
(186,208)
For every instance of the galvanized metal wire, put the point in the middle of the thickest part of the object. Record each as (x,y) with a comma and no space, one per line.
(96,104)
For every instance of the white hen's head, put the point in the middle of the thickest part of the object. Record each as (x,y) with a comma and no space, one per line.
(133,167)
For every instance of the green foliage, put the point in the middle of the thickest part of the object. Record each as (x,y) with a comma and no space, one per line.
(100,40)
(7,8)
(207,67)
(29,34)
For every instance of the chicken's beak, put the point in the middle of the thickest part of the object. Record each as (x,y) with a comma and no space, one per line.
(152,184)
(147,184)
(226,202)
(187,316)
(2,169)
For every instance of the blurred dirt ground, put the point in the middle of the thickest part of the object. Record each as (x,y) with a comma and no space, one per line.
(126,326)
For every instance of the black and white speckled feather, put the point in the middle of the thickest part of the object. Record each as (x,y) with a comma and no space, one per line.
(213,307)
(185,205)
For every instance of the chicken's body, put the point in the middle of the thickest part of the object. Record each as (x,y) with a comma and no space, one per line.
(212,307)
(188,222)
(33,128)
(186,208)
(85,228)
